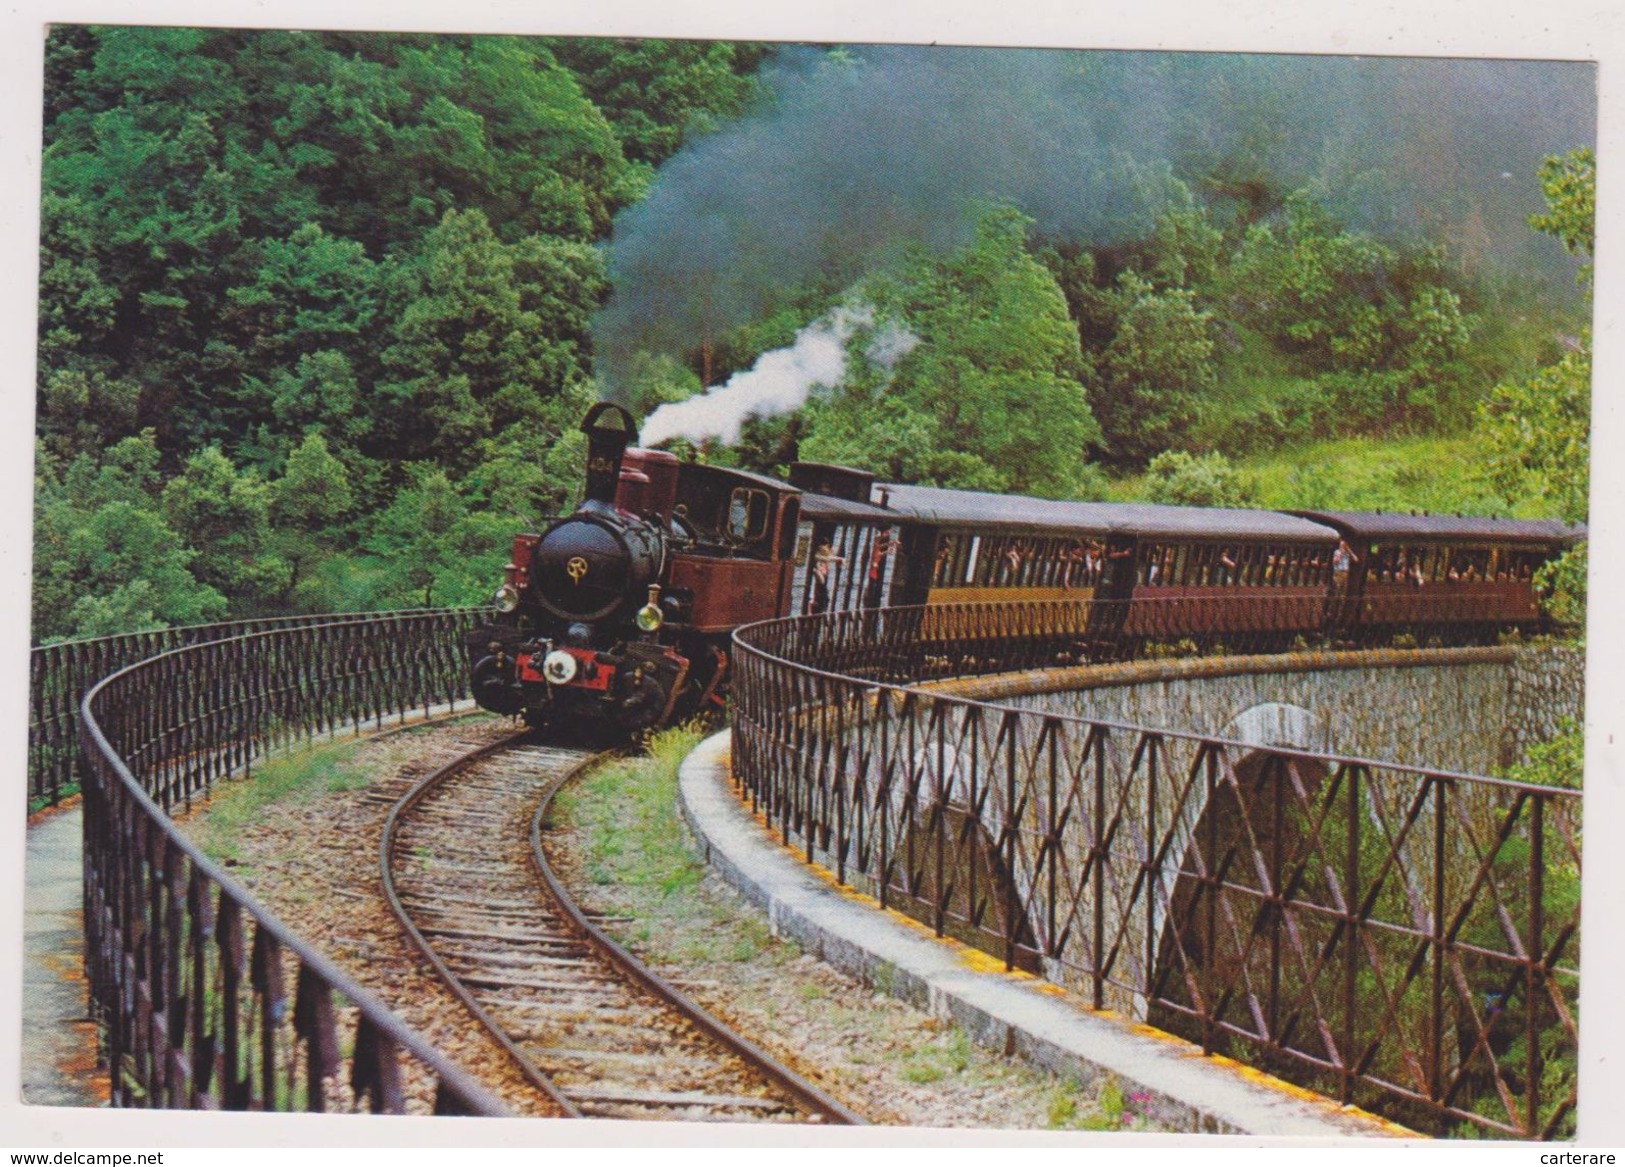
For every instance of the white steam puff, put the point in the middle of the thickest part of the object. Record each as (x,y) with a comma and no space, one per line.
(780,381)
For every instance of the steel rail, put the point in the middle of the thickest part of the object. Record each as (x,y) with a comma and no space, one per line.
(805,1096)
(386,855)
(810,1097)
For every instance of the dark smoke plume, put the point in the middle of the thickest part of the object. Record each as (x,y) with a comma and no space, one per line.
(864,151)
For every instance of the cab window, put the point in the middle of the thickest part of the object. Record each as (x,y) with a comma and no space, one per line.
(747,514)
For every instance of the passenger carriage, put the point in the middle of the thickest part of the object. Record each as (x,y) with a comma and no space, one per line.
(1137,571)
(1459,579)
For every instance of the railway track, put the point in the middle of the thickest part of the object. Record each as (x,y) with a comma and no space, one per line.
(590,1027)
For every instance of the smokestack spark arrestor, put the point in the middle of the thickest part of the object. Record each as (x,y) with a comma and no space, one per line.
(609,431)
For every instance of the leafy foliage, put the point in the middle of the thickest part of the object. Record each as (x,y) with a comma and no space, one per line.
(1155,369)
(1540,433)
(335,289)
(657,92)
(290,265)
(1539,430)
(106,558)
(989,399)
(1570,186)
(1183,479)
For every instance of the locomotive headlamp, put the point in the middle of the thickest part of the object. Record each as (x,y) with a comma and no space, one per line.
(559,667)
(506,599)
(650,617)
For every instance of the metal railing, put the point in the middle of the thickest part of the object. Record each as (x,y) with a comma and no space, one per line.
(60,674)
(190,977)
(1400,938)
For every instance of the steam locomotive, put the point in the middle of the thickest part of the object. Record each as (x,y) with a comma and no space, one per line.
(620,614)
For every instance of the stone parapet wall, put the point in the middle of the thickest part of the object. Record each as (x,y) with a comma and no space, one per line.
(1472,710)
(1546,688)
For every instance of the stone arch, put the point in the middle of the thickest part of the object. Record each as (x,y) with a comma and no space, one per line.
(1278,724)
(1270,725)
(976,881)
(1254,831)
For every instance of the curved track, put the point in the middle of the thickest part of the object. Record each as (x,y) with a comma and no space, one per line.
(593,1029)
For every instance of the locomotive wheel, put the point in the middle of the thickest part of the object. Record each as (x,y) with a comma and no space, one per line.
(492,681)
(641,707)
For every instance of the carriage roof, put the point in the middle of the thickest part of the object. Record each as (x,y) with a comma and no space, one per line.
(842,510)
(1448,528)
(939,506)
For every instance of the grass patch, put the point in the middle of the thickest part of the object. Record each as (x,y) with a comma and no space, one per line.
(637,861)
(633,838)
(1072,1108)
(238,805)
(947,1055)
(1442,475)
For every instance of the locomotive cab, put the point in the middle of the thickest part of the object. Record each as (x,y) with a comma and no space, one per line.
(735,560)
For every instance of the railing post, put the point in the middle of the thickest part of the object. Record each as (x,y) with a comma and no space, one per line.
(1534,967)
(1351,933)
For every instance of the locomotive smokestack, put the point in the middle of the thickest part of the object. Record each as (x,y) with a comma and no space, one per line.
(609,431)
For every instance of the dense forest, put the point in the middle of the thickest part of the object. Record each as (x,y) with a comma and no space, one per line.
(319,314)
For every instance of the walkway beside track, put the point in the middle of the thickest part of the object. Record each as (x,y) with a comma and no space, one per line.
(1012,1011)
(58,1040)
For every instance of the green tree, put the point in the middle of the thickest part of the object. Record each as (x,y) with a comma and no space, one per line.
(657,92)
(1381,331)
(487,334)
(1155,370)
(1185,249)
(1539,430)
(216,204)
(1569,183)
(105,559)
(433,549)
(309,507)
(224,516)
(1185,479)
(989,398)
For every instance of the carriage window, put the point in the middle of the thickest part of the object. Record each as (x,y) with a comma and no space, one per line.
(1246,561)
(1044,563)
(747,514)
(1149,556)
(1277,566)
(1478,567)
(942,569)
(1521,565)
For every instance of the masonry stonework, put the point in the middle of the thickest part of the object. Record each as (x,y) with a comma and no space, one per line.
(1471,710)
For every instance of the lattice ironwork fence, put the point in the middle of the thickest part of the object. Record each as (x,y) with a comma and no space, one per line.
(1396,937)
(60,674)
(206,1000)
